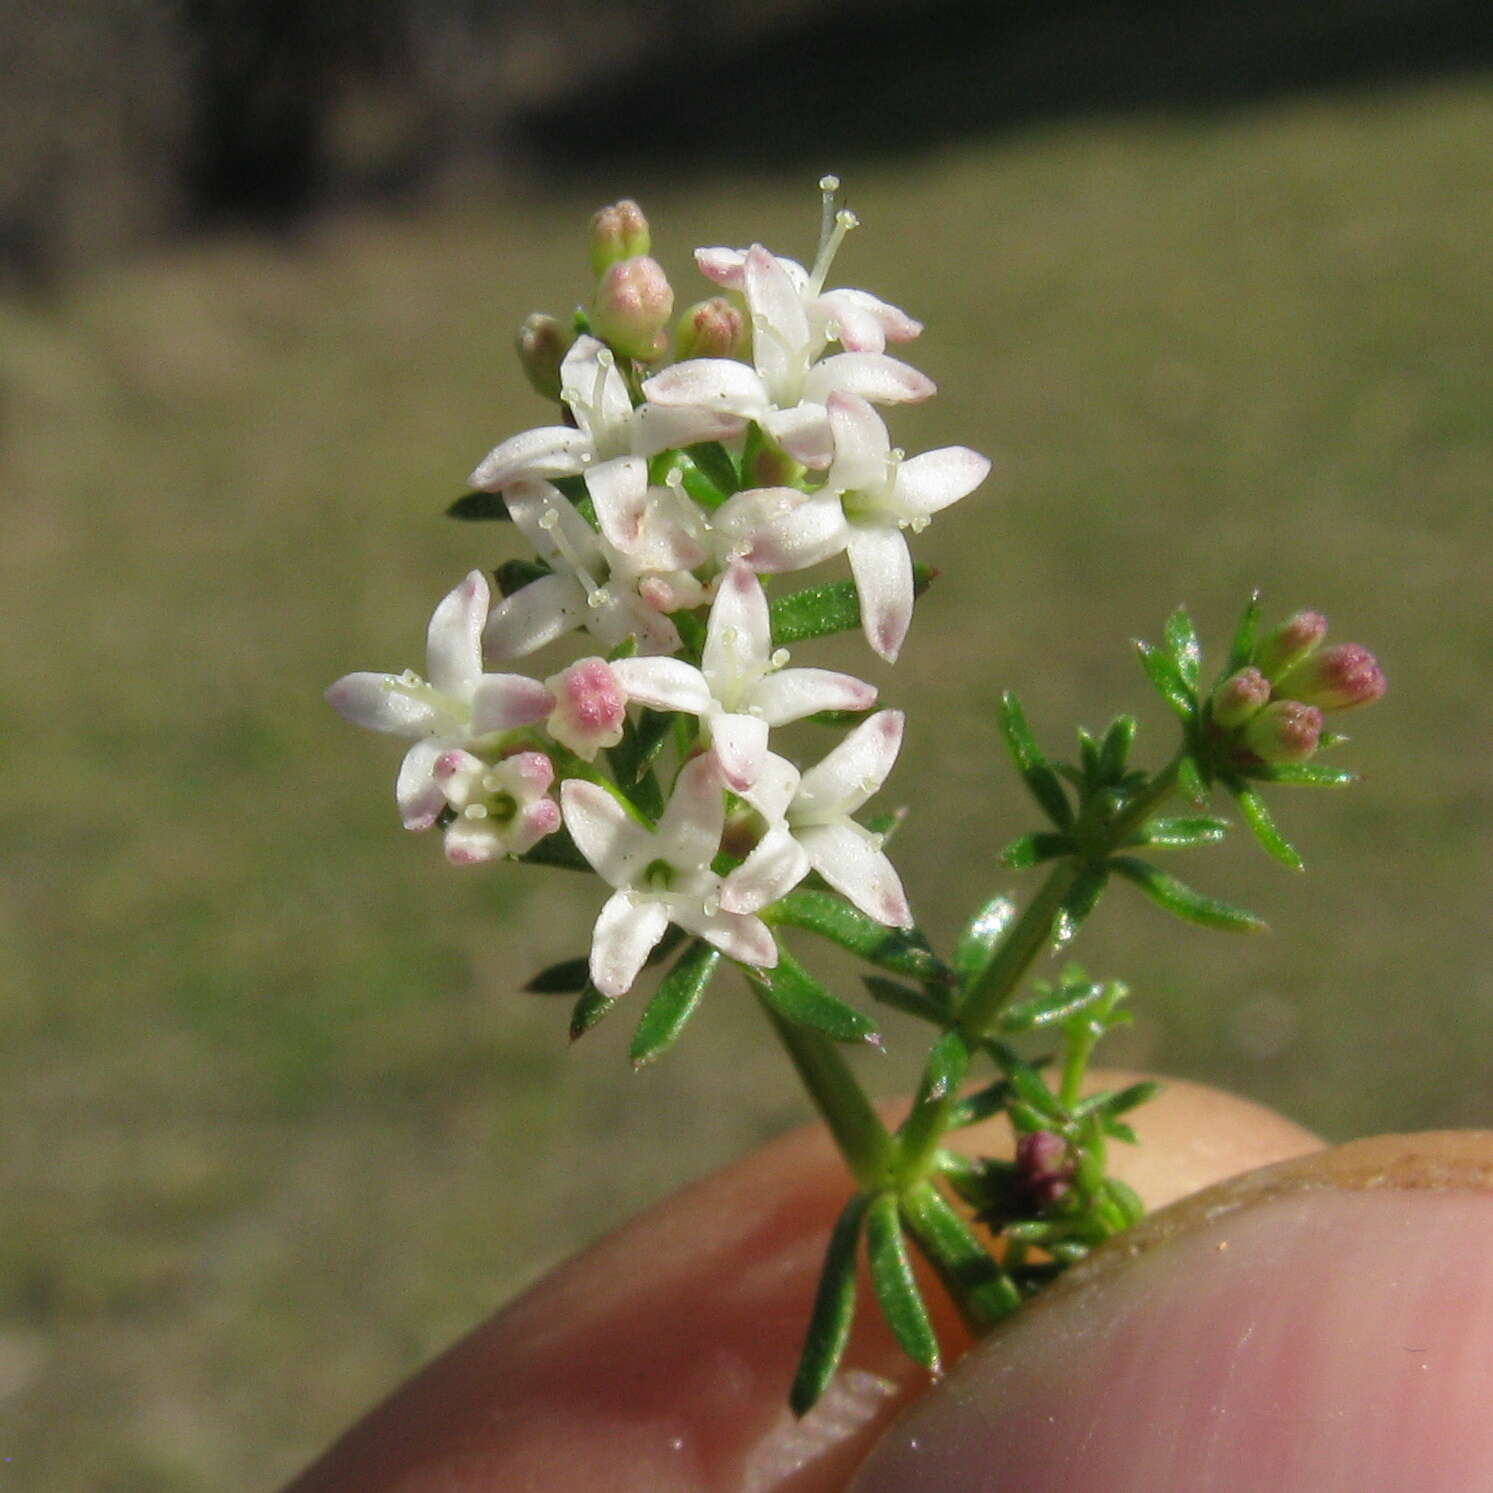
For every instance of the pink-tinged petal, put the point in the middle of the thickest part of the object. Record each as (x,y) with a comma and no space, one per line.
(621,614)
(689,834)
(932,481)
(383,702)
(774,868)
(720,385)
(453,641)
(873,376)
(724,266)
(839,783)
(603,831)
(503,702)
(534,616)
(740,743)
(803,432)
(862,446)
(531,824)
(474,842)
(528,775)
(746,939)
(780,529)
(663,684)
(417,791)
(776,784)
(551,451)
(791,694)
(658,427)
(593,387)
(656,528)
(780,326)
(738,637)
(548,520)
(882,567)
(455,764)
(866,322)
(850,859)
(589,707)
(626,931)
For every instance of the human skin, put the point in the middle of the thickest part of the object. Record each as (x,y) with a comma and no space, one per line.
(1324,1324)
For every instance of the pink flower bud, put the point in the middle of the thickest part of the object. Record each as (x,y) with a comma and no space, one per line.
(1283,732)
(618,232)
(710,329)
(1291,642)
(542,344)
(590,707)
(633,302)
(1042,1169)
(1239,697)
(1335,678)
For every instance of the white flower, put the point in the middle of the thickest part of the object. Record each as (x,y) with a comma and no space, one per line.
(501,807)
(786,390)
(742,688)
(457,706)
(809,826)
(661,876)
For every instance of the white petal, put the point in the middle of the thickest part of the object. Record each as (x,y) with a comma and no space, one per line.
(803,432)
(721,385)
(862,446)
(593,386)
(620,613)
(724,266)
(883,580)
(873,376)
(740,743)
(417,791)
(474,842)
(548,520)
(533,822)
(551,451)
(778,529)
(849,857)
(503,702)
(453,642)
(746,939)
(843,780)
(738,637)
(780,327)
(382,702)
(656,528)
(603,830)
(537,614)
(663,684)
(774,868)
(776,785)
(932,481)
(689,834)
(626,932)
(866,323)
(657,427)
(791,694)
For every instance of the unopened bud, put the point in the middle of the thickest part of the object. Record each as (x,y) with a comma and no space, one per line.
(618,232)
(1295,639)
(633,303)
(1335,678)
(1239,697)
(542,344)
(710,329)
(1043,1171)
(1284,732)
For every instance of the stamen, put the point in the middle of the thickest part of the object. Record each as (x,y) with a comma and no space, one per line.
(474,811)
(833,228)
(779,657)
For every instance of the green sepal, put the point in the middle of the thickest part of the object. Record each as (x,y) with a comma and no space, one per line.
(833,1311)
(1164,674)
(513,575)
(715,464)
(567,977)
(894,1285)
(1049,1007)
(1263,827)
(797,996)
(903,951)
(1182,901)
(1081,900)
(1181,641)
(476,506)
(1114,750)
(1304,774)
(906,999)
(589,1009)
(1242,649)
(1035,771)
(1181,834)
(1190,782)
(818,611)
(1031,850)
(977,939)
(556,849)
(673,1003)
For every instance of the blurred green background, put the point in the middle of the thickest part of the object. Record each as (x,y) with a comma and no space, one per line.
(277,1125)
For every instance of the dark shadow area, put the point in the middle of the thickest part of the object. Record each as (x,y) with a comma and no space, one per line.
(900,81)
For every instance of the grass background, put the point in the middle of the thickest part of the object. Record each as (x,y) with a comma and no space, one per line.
(276,1126)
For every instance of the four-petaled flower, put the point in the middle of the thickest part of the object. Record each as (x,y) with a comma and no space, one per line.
(501,807)
(661,876)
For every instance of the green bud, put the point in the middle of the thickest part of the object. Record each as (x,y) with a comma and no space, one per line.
(1239,697)
(1285,731)
(1335,678)
(1295,639)
(618,232)
(710,329)
(633,303)
(542,343)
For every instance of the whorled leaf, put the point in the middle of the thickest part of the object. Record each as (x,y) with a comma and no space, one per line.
(1263,827)
(895,1286)
(818,611)
(833,1311)
(1161,669)
(1182,901)
(902,951)
(797,996)
(1036,772)
(673,1003)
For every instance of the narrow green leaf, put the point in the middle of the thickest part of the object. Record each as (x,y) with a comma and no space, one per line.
(1078,904)
(817,611)
(475,506)
(1111,1105)
(568,977)
(1126,1199)
(1088,754)
(1031,850)
(1029,1086)
(1190,780)
(513,575)
(1164,675)
(1179,899)
(1304,774)
(904,998)
(948,1062)
(895,1286)
(1041,781)
(983,1291)
(1181,834)
(1048,1008)
(903,951)
(1119,1130)
(1243,647)
(556,849)
(980,1105)
(589,1009)
(833,1312)
(978,937)
(1114,750)
(798,997)
(714,461)
(673,1003)
(1182,644)
(1263,827)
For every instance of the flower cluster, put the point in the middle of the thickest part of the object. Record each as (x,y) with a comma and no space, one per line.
(687,472)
